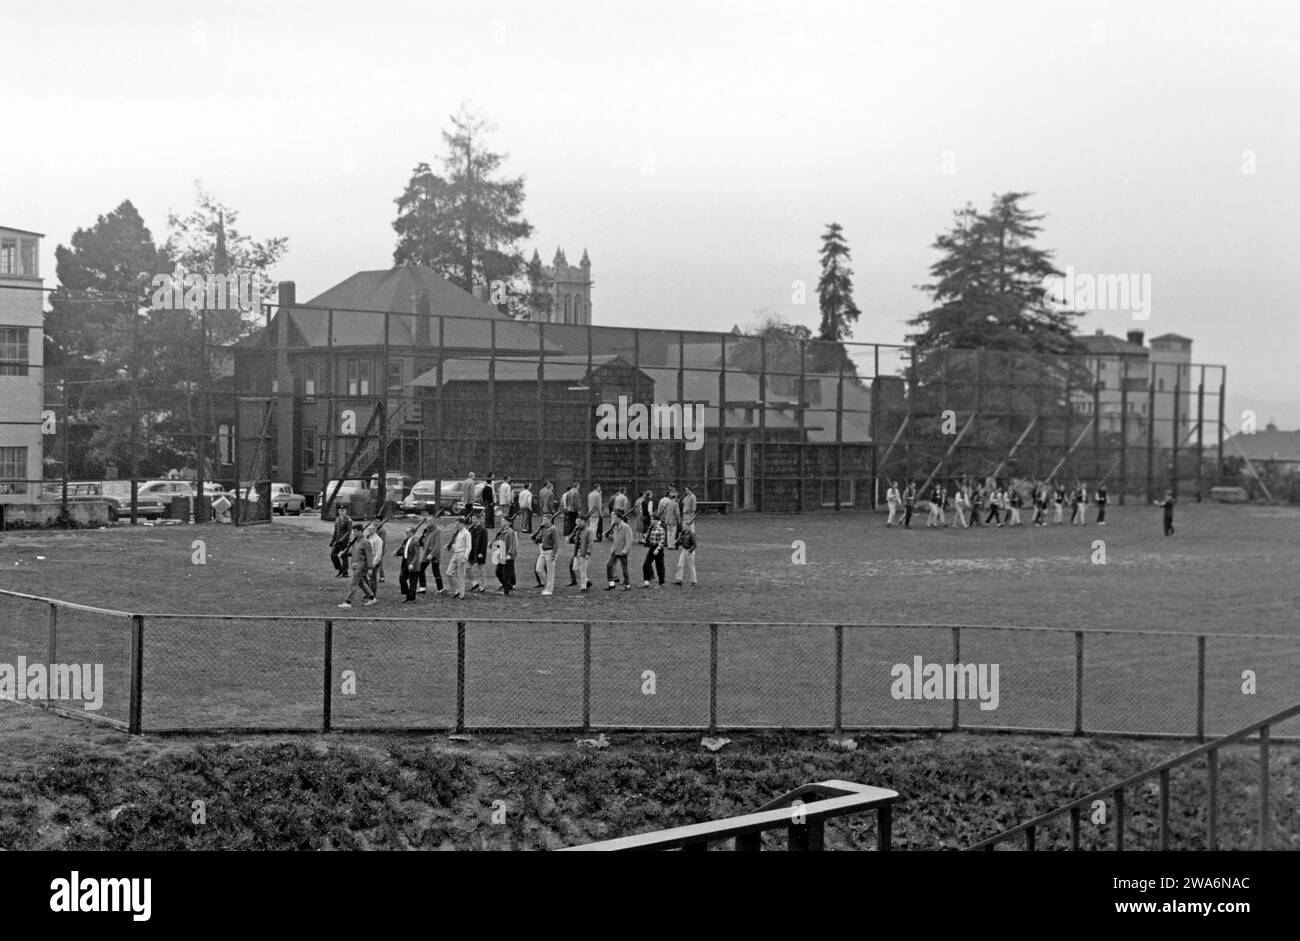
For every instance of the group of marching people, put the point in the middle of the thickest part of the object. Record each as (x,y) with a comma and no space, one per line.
(994,503)
(357,548)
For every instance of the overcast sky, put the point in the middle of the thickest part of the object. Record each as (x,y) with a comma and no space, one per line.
(697,150)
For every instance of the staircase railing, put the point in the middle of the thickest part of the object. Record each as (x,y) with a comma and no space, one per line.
(1210,750)
(805,823)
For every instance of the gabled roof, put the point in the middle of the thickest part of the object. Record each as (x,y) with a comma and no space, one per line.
(1171,336)
(395,290)
(9,228)
(1266,446)
(1107,345)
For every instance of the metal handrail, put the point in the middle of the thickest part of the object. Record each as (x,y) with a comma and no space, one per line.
(805,823)
(1210,749)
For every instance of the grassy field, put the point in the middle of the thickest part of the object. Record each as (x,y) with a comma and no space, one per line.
(1228,570)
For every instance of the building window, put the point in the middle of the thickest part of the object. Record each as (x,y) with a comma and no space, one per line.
(1160,385)
(309,378)
(568,308)
(13,351)
(322,450)
(225,445)
(9,256)
(308,448)
(13,470)
(395,375)
(28,258)
(358,377)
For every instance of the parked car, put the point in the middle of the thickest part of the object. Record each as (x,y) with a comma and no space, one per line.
(449,495)
(284,500)
(398,485)
(345,492)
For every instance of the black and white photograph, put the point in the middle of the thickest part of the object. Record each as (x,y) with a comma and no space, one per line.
(509,428)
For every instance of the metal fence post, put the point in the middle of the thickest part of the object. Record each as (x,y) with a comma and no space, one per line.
(460,676)
(1200,688)
(1212,764)
(1263,788)
(956,661)
(839,679)
(1078,682)
(327,702)
(134,721)
(52,652)
(586,676)
(1119,820)
(884,827)
(713,677)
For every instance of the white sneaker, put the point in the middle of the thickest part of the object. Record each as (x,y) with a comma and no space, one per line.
(546,592)
(370,601)
(345,605)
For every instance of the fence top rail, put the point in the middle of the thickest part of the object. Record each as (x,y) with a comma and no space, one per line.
(317,618)
(64,604)
(611,621)
(859,797)
(1167,765)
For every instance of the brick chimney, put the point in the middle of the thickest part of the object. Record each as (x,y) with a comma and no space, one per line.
(1136,337)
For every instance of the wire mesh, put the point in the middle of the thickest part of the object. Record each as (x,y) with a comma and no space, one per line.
(650,675)
(237,673)
(399,674)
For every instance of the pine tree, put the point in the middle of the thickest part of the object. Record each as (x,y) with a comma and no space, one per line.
(988,287)
(467,223)
(835,287)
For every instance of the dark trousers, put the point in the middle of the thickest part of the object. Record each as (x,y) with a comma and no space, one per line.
(506,575)
(993,516)
(339,558)
(1075,509)
(609,568)
(1169,524)
(570,520)
(654,562)
(489,518)
(360,583)
(437,575)
(1101,513)
(528,520)
(407,580)
(907,516)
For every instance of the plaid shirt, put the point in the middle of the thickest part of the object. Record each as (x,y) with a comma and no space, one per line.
(656,538)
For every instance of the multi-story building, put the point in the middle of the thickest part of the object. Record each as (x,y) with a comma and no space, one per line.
(1152,384)
(570,288)
(21,382)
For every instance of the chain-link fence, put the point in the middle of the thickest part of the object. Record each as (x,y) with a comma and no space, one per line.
(198,672)
(72,659)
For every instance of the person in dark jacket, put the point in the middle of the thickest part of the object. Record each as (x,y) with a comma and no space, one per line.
(339,543)
(477,553)
(655,541)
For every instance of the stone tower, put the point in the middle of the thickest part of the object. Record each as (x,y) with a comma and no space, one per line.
(570,288)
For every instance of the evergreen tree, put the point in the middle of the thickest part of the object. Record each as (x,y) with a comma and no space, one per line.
(835,287)
(988,288)
(467,223)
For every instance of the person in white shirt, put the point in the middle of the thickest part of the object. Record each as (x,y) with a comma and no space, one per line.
(961,502)
(375,536)
(526,507)
(505,496)
(460,546)
(893,498)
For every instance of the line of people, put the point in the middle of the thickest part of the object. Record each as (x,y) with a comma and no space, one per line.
(357,548)
(993,504)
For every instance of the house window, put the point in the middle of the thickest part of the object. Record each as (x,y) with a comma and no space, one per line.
(28,258)
(13,470)
(322,450)
(13,351)
(358,376)
(9,256)
(1160,385)
(309,379)
(308,448)
(395,376)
